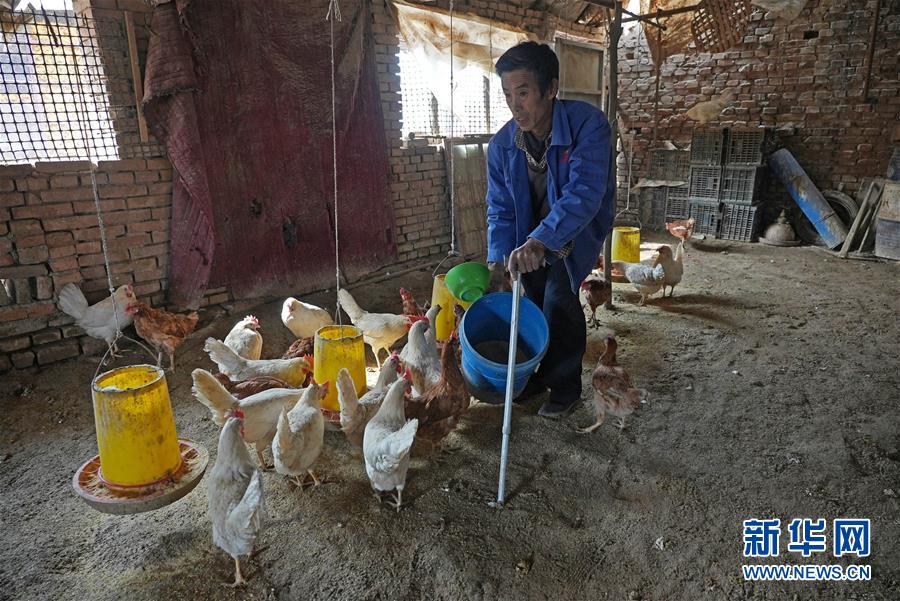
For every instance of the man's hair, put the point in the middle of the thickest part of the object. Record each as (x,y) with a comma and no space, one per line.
(537,58)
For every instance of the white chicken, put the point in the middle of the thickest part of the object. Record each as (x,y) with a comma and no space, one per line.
(236,504)
(99,320)
(356,412)
(303,319)
(646,279)
(245,339)
(292,371)
(380,330)
(673,266)
(261,410)
(300,434)
(387,441)
(422,359)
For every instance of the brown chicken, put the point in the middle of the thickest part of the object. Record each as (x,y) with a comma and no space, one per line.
(597,292)
(163,330)
(300,348)
(613,390)
(410,306)
(241,390)
(682,229)
(438,410)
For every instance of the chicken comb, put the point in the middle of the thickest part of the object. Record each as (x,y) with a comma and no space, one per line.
(236,413)
(407,375)
(253,319)
(404,293)
(310,360)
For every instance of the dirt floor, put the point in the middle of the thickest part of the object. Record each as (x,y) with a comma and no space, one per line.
(773,386)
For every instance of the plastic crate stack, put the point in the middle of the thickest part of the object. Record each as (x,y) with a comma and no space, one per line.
(725,174)
(669,202)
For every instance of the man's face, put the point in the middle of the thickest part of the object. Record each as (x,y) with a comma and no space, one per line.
(532,112)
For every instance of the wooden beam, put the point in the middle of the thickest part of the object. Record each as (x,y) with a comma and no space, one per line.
(136,76)
(612,106)
(662,13)
(873,31)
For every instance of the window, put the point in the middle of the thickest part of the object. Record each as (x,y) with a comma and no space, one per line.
(479,104)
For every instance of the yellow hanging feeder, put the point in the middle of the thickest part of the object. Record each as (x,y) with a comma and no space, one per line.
(142,465)
(336,347)
(626,244)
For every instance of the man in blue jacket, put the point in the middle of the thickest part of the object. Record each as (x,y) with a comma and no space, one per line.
(550,205)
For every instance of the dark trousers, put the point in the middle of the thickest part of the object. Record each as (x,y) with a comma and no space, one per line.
(560,369)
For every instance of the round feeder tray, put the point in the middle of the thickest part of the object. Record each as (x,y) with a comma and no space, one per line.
(89,485)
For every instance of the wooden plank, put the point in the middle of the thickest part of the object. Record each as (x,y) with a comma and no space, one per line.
(860,220)
(136,76)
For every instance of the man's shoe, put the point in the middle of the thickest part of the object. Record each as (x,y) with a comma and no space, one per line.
(557,409)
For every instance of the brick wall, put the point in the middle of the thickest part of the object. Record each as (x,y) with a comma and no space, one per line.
(50,236)
(803,79)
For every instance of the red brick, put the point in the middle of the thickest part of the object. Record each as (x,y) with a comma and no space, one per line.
(72,331)
(149,226)
(63,264)
(64,181)
(12,199)
(122,177)
(112,191)
(66,195)
(7,185)
(149,250)
(149,202)
(160,188)
(57,352)
(9,345)
(162,213)
(97,259)
(120,217)
(29,241)
(32,184)
(158,164)
(146,177)
(23,359)
(160,236)
(122,165)
(42,211)
(70,223)
(59,239)
(46,336)
(25,227)
(33,254)
(61,166)
(13,313)
(61,251)
(89,207)
(43,287)
(70,277)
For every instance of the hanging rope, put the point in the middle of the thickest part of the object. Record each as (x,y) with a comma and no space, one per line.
(334,13)
(88,137)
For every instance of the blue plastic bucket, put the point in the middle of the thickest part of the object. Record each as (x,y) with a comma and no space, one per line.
(487,321)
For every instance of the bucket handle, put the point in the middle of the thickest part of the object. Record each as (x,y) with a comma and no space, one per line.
(119,336)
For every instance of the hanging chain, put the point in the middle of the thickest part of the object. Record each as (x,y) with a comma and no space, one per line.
(453,251)
(334,13)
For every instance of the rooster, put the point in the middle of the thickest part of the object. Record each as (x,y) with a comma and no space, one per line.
(410,306)
(99,321)
(597,292)
(303,319)
(245,339)
(439,408)
(241,390)
(387,441)
(234,488)
(357,411)
(613,391)
(163,330)
(682,229)
(261,410)
(292,371)
(380,330)
(299,436)
(420,356)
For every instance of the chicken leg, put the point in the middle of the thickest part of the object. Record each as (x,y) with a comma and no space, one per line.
(601,414)
(238,577)
(262,460)
(398,499)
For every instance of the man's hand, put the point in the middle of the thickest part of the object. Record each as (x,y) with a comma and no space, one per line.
(527,258)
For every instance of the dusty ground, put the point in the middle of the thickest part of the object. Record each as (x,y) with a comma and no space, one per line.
(773,393)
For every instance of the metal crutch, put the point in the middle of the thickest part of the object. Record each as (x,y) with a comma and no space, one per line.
(510,381)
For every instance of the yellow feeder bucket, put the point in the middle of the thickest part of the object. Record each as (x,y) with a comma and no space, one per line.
(626,244)
(446,319)
(336,347)
(135,427)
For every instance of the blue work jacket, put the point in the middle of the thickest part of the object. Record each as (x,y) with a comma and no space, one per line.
(580,193)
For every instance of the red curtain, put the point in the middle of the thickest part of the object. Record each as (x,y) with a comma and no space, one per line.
(240,94)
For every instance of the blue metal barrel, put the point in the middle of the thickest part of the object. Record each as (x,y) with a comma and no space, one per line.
(808,198)
(486,322)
